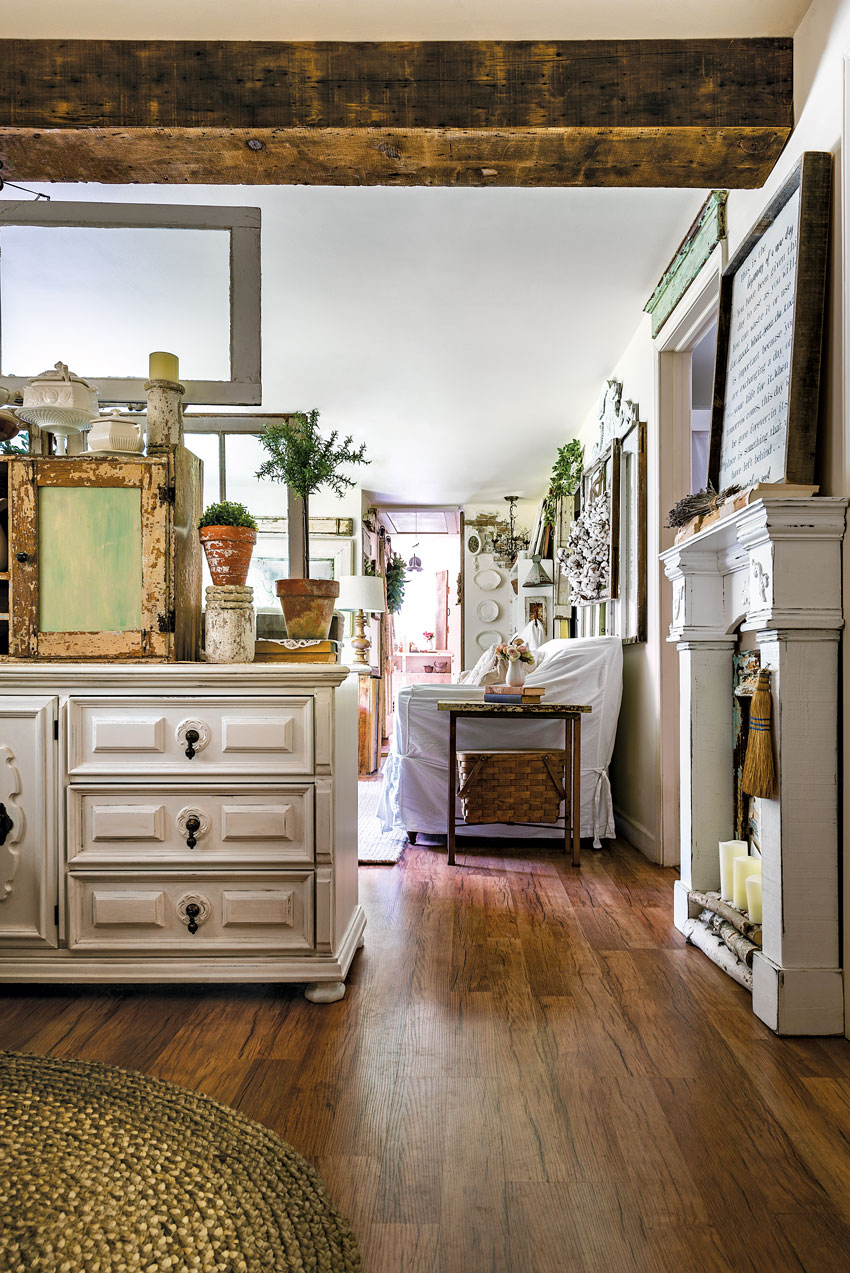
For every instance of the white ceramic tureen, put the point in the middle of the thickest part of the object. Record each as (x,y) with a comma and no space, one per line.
(117,433)
(59,402)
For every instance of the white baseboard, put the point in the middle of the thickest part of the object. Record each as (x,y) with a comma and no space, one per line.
(639,836)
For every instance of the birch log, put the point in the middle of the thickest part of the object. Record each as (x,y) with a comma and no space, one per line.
(714,902)
(737,942)
(718,952)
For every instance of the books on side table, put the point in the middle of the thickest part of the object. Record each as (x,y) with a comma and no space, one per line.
(514,693)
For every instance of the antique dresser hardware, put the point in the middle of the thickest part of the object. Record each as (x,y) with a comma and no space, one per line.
(193,910)
(192,736)
(6,824)
(22,557)
(193,824)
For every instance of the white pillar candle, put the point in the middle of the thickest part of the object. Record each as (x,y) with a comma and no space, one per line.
(743,868)
(163,366)
(753,887)
(729,850)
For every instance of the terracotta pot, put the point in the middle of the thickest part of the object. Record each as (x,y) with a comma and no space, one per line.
(308,607)
(228,550)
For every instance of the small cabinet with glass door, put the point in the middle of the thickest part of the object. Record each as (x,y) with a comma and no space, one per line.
(104,559)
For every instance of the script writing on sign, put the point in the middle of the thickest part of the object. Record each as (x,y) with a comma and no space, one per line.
(755,418)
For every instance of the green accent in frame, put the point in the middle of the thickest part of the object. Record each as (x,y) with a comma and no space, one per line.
(90,559)
(695,249)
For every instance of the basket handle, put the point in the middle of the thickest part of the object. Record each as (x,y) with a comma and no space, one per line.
(556,777)
(473,771)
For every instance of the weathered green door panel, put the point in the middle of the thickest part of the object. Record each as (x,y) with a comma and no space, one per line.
(89,559)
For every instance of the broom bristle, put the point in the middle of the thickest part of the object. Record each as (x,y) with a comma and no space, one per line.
(759,778)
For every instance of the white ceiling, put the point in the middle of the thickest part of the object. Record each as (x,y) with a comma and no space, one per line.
(462,334)
(401,19)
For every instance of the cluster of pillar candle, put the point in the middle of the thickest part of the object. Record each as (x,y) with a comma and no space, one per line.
(740,877)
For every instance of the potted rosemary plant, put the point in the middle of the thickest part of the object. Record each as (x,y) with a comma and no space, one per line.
(228,533)
(304,461)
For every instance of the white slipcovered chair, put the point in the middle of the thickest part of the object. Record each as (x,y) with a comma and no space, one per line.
(588,671)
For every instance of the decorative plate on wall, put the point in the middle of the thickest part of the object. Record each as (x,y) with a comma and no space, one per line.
(488,611)
(488,580)
(473,543)
(488,638)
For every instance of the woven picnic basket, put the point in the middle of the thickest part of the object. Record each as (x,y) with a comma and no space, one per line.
(511,786)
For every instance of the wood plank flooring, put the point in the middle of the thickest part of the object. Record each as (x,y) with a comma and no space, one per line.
(530,1073)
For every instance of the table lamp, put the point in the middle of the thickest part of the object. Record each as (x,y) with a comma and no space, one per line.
(364,594)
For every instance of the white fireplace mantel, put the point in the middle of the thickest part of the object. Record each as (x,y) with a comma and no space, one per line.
(772,568)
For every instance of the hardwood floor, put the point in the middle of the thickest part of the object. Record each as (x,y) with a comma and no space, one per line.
(530,1073)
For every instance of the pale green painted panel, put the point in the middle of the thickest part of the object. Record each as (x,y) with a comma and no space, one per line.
(90,559)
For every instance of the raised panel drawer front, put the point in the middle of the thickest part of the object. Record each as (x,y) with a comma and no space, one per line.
(150,826)
(190,737)
(190,913)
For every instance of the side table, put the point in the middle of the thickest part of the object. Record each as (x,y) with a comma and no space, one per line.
(570,714)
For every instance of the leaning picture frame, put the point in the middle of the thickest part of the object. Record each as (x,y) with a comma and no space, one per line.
(769,341)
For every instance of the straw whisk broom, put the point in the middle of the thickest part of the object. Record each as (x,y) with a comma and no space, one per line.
(759,778)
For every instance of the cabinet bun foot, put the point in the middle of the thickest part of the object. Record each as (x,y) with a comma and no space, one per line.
(324,991)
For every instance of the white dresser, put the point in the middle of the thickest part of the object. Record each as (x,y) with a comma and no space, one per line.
(178,822)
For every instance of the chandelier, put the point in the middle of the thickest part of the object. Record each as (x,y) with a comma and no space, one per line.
(415,563)
(510,543)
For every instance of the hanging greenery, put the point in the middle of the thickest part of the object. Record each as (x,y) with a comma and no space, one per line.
(566,475)
(396,579)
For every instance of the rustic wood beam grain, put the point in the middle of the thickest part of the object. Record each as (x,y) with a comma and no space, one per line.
(544,113)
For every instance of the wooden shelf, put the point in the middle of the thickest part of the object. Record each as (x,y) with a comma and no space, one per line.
(4,574)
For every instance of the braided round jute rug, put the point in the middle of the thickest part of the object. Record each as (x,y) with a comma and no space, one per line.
(105,1171)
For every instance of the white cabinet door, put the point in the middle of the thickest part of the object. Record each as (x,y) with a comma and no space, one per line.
(28,831)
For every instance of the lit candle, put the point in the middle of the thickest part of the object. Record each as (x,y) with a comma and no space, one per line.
(744,868)
(753,886)
(729,850)
(163,366)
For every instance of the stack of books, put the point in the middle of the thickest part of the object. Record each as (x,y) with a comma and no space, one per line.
(513,693)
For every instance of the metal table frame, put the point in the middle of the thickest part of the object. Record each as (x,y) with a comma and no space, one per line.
(570,714)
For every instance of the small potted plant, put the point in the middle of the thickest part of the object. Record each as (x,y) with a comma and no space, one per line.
(304,461)
(516,660)
(228,533)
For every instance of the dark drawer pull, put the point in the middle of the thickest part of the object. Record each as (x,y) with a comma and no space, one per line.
(6,824)
(193,824)
(22,557)
(192,737)
(193,910)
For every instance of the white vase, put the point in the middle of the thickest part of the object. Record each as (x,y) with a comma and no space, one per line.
(517,672)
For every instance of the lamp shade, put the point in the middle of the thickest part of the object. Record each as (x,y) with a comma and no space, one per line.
(361,592)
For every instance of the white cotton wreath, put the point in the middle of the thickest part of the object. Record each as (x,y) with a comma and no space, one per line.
(585,558)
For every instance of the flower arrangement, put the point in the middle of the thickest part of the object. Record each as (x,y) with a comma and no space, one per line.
(586,558)
(515,651)
(429,636)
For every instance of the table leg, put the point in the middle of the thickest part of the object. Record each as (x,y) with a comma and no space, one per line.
(450,828)
(576,801)
(568,782)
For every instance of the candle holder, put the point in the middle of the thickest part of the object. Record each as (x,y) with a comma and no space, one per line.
(165,415)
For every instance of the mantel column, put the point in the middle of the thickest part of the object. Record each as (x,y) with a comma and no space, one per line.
(797,982)
(705,687)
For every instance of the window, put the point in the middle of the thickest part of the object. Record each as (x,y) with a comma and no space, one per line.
(101,285)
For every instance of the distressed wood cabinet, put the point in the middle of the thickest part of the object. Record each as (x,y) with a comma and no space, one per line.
(104,558)
(178,822)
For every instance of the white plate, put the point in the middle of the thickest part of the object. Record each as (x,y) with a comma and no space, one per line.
(488,611)
(488,638)
(488,580)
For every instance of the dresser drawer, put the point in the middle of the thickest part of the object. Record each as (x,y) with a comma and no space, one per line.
(122,911)
(142,827)
(189,738)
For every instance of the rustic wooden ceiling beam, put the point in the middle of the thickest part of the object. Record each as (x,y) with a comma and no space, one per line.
(623,113)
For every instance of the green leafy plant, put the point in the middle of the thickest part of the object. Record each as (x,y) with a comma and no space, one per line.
(566,473)
(304,461)
(396,580)
(227,513)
